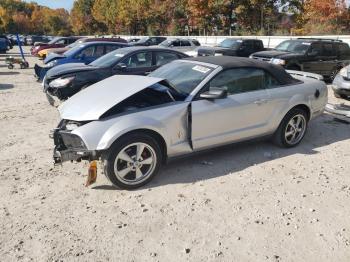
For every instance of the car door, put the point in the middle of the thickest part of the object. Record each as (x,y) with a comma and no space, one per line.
(91,53)
(138,63)
(110,48)
(85,55)
(329,60)
(343,53)
(244,113)
(312,60)
(246,48)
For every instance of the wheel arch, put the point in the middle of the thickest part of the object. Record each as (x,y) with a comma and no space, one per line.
(303,107)
(294,65)
(156,135)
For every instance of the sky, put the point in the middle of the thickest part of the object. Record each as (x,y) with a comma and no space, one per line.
(67,4)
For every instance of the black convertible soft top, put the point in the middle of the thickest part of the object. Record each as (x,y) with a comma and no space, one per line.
(228,62)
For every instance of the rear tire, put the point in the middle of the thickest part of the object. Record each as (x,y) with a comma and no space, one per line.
(132,161)
(292,129)
(334,74)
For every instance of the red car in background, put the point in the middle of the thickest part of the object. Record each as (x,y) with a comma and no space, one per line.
(54,43)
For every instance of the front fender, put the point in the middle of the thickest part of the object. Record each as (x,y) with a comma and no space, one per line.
(168,121)
(125,125)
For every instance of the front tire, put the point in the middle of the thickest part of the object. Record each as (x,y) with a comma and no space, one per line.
(292,129)
(132,161)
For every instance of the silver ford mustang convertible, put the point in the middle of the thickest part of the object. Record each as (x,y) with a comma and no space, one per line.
(135,123)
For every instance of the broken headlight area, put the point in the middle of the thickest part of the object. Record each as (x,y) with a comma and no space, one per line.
(68,146)
(72,141)
(69,125)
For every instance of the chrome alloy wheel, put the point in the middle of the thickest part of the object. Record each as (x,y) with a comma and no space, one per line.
(135,163)
(295,129)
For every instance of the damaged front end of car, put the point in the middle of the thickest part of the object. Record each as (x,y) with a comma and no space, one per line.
(69,146)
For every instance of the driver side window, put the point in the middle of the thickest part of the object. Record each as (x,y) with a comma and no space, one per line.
(316,49)
(87,52)
(240,80)
(60,42)
(139,60)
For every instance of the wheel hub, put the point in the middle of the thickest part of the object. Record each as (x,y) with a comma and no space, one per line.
(135,163)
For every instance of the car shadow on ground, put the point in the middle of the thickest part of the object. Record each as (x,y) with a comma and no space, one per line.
(6,86)
(15,54)
(9,73)
(231,159)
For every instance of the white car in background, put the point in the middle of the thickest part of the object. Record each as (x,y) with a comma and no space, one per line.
(185,45)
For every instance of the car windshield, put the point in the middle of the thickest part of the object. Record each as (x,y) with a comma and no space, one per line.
(143,40)
(183,76)
(293,46)
(110,59)
(231,43)
(73,44)
(166,43)
(73,50)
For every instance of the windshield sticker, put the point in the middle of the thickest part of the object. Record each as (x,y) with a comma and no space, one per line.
(119,55)
(304,43)
(239,41)
(201,69)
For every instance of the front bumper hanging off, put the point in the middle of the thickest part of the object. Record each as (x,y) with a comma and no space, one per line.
(63,153)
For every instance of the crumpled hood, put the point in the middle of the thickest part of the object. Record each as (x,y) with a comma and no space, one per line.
(92,102)
(53,56)
(69,68)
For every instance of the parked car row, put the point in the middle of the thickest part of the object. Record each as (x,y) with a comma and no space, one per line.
(321,56)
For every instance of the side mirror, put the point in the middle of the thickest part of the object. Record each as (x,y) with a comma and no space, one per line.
(313,53)
(214,93)
(121,66)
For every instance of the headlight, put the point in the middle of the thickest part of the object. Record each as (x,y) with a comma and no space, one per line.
(218,54)
(251,56)
(72,141)
(61,82)
(278,61)
(51,64)
(344,72)
(72,126)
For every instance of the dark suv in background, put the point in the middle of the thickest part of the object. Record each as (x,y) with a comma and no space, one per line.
(321,56)
(233,47)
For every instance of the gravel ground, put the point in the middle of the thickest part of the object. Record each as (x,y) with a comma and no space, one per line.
(246,202)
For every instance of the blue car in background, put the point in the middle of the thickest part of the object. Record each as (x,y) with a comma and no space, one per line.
(3,45)
(82,53)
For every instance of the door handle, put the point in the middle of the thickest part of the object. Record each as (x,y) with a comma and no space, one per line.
(260,101)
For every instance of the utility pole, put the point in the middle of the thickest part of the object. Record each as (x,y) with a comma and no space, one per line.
(262,19)
(231,15)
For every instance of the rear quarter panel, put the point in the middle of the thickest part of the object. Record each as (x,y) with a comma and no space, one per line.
(284,98)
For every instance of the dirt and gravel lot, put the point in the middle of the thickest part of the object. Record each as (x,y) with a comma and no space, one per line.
(247,202)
